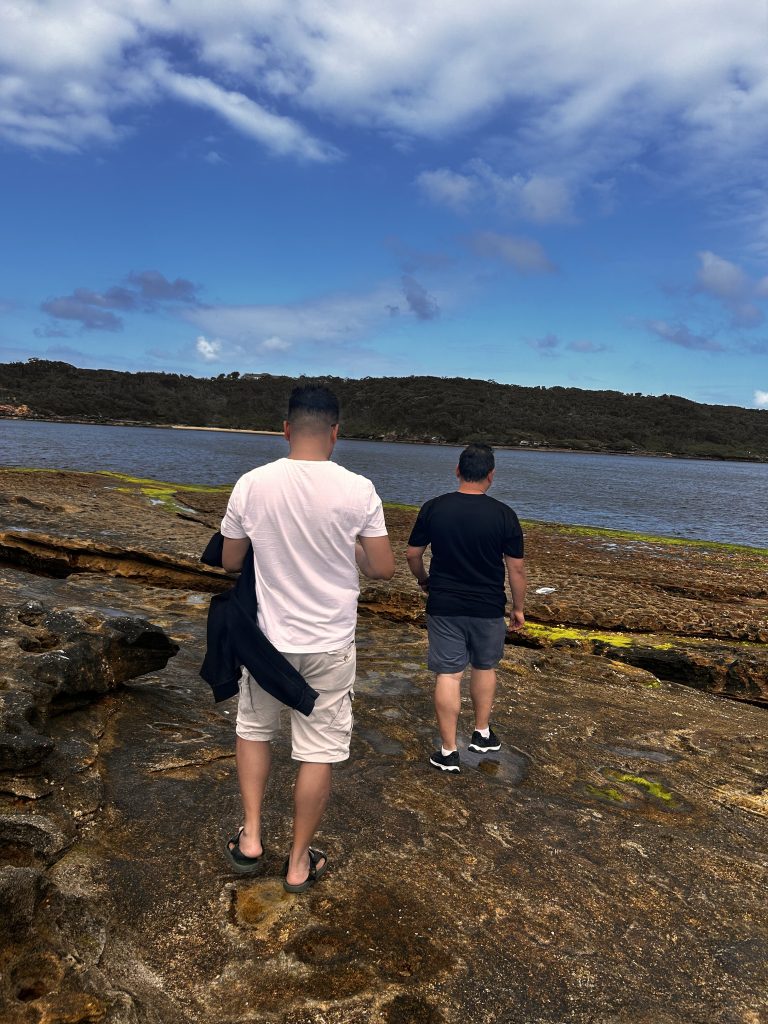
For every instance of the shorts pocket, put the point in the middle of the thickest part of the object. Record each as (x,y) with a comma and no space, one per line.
(244,684)
(338,717)
(342,656)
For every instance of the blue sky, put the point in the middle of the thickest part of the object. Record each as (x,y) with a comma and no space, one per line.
(500,189)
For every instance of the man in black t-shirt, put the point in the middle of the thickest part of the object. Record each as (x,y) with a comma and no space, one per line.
(474,538)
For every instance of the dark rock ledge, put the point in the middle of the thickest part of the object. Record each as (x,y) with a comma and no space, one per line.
(609,866)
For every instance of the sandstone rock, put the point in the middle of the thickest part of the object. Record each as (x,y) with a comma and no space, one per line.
(52,656)
(607,866)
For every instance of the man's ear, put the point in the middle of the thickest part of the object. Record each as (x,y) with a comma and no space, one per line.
(458,474)
(335,433)
(490,477)
(286,430)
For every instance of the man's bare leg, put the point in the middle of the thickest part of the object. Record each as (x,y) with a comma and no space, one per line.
(310,798)
(254,759)
(448,706)
(482,690)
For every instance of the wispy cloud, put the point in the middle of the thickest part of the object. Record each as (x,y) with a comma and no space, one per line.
(90,316)
(419,301)
(551,345)
(327,321)
(282,135)
(93,310)
(449,188)
(75,73)
(761,399)
(733,287)
(548,346)
(543,199)
(683,337)
(525,254)
(155,287)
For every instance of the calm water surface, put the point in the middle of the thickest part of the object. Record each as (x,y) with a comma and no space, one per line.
(723,501)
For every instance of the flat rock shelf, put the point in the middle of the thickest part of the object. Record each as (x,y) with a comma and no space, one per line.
(607,866)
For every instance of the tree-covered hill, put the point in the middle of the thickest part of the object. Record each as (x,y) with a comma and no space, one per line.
(448,409)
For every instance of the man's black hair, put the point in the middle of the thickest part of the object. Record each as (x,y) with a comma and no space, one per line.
(476,462)
(315,403)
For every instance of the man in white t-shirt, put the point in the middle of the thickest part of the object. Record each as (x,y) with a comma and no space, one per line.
(311,524)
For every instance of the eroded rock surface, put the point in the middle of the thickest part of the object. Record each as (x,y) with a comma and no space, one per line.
(53,657)
(607,866)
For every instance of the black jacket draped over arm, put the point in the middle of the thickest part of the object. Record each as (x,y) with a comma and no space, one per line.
(234,639)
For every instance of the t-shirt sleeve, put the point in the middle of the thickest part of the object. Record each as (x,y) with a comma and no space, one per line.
(231,524)
(420,535)
(513,535)
(374,525)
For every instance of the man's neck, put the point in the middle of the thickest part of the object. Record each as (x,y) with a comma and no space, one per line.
(470,487)
(310,451)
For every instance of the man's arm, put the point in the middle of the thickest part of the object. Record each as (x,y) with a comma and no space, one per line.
(415,558)
(233,553)
(375,558)
(517,584)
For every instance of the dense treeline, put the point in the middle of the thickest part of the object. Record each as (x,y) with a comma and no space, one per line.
(396,408)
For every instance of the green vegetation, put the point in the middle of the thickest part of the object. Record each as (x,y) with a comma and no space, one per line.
(652,788)
(648,786)
(646,538)
(554,633)
(432,409)
(606,793)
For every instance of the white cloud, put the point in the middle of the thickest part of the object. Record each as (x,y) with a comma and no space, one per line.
(209,350)
(282,135)
(332,320)
(722,278)
(544,199)
(327,321)
(729,284)
(761,399)
(591,89)
(275,344)
(447,187)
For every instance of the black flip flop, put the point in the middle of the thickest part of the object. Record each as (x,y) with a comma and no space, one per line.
(238,861)
(315,873)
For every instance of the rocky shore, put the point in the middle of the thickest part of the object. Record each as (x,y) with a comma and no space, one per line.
(608,866)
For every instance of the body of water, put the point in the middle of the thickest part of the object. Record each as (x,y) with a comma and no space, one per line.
(720,501)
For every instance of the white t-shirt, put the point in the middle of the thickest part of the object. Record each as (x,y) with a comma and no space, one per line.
(302,519)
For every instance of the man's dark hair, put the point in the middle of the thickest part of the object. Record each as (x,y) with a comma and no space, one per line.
(476,462)
(313,406)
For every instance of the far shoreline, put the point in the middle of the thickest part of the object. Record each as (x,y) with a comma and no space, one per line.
(397,440)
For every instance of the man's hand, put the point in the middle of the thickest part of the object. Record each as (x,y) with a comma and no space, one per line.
(415,558)
(516,621)
(518,585)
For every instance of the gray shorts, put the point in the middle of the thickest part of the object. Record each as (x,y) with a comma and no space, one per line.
(456,641)
(322,737)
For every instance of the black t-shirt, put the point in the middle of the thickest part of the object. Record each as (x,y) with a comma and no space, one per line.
(469,535)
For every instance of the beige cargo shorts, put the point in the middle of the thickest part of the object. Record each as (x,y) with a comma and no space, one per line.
(321,737)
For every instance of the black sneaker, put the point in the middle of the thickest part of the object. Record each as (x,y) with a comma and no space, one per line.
(446,762)
(482,744)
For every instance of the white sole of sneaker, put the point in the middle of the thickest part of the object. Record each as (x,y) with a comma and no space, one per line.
(444,767)
(482,750)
